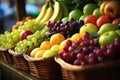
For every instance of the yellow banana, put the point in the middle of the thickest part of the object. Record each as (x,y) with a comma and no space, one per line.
(65,9)
(48,14)
(43,11)
(58,13)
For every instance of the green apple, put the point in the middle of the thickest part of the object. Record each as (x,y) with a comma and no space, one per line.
(96,12)
(83,17)
(65,19)
(89,27)
(106,27)
(118,32)
(49,53)
(89,8)
(108,37)
(76,14)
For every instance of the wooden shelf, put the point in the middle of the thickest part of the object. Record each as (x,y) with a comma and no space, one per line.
(10,73)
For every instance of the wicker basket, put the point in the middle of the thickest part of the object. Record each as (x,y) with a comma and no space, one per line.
(5,56)
(47,68)
(100,71)
(18,61)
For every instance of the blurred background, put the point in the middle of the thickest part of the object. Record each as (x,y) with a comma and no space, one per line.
(8,12)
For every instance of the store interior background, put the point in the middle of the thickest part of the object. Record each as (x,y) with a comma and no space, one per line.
(8,7)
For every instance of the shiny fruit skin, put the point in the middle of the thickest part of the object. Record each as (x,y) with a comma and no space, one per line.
(112,9)
(96,12)
(89,27)
(91,19)
(89,8)
(34,51)
(116,21)
(24,34)
(102,7)
(56,39)
(76,14)
(106,27)
(107,38)
(102,20)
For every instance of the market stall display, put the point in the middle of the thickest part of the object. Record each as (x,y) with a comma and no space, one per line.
(69,43)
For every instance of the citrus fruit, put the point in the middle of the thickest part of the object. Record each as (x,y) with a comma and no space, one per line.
(45,45)
(39,54)
(56,39)
(75,36)
(34,51)
(62,44)
(55,48)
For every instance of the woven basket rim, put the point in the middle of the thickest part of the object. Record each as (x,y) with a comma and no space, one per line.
(12,52)
(28,58)
(3,49)
(71,67)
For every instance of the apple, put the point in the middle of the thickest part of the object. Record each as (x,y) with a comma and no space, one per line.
(118,32)
(49,53)
(102,20)
(76,14)
(96,12)
(89,8)
(83,17)
(107,38)
(112,9)
(91,19)
(65,19)
(89,27)
(106,27)
(102,6)
(116,22)
(24,34)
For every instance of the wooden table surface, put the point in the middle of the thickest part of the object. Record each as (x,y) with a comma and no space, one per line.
(8,72)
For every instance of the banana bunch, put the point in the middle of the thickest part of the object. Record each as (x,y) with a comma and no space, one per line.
(52,10)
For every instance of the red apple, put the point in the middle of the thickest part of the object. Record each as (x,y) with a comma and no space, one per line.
(102,20)
(116,21)
(24,34)
(112,9)
(91,19)
(102,6)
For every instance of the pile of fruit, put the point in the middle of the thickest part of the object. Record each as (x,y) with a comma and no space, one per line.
(81,36)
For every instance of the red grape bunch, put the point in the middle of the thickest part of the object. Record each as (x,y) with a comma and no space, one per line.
(86,50)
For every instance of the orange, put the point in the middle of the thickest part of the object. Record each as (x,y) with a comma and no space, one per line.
(75,37)
(34,51)
(39,54)
(56,39)
(45,45)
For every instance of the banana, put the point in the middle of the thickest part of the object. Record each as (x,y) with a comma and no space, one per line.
(48,14)
(65,9)
(43,11)
(58,13)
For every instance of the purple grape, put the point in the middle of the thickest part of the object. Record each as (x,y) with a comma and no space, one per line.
(100,59)
(67,57)
(69,42)
(85,50)
(77,62)
(81,56)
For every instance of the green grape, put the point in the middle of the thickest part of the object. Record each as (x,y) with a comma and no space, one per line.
(37,34)
(29,43)
(34,39)
(29,37)
(36,44)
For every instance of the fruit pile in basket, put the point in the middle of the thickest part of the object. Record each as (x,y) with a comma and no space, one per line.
(80,36)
